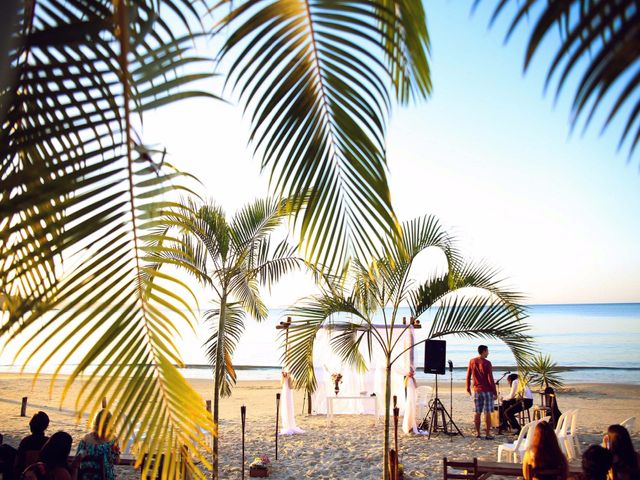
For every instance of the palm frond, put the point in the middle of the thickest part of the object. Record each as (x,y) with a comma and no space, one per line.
(409,38)
(427,294)
(485,277)
(310,316)
(273,265)
(79,198)
(232,325)
(542,371)
(258,219)
(366,292)
(245,289)
(129,314)
(346,344)
(604,35)
(311,74)
(477,318)
(422,233)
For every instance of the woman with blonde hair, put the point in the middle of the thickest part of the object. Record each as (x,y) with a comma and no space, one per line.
(544,454)
(99,450)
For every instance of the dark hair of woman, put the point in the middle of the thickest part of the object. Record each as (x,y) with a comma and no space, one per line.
(545,450)
(625,458)
(596,462)
(56,451)
(556,414)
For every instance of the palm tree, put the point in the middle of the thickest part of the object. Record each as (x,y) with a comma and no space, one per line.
(81,196)
(233,258)
(365,293)
(542,371)
(599,44)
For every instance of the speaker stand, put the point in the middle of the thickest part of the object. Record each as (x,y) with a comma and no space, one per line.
(433,424)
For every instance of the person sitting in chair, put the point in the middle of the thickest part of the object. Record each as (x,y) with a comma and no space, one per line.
(544,453)
(596,463)
(519,398)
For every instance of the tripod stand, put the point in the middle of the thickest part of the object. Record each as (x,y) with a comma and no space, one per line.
(431,423)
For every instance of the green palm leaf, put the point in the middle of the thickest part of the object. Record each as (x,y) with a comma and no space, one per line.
(311,75)
(80,198)
(604,35)
(477,317)
(233,328)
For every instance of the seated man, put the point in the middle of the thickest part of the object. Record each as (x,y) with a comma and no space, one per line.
(505,403)
(519,398)
(31,445)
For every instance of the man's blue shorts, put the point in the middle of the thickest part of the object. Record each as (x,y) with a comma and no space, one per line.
(483,402)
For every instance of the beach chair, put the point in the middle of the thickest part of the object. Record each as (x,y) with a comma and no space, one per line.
(560,424)
(567,436)
(564,423)
(516,449)
(629,424)
(461,470)
(573,435)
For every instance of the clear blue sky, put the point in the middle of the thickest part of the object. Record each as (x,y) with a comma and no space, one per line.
(488,153)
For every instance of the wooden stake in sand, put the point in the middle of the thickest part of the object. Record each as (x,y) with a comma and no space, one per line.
(243,417)
(23,408)
(208,406)
(277,420)
(394,465)
(396,412)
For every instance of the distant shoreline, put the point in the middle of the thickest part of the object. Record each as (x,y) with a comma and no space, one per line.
(200,366)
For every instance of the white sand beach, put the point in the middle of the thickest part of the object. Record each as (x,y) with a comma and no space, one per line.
(350,447)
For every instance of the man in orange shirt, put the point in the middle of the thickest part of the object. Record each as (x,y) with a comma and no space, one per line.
(484,389)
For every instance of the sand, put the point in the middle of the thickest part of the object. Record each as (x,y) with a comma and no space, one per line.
(348,448)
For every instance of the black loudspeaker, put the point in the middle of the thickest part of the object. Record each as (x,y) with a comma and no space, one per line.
(435,352)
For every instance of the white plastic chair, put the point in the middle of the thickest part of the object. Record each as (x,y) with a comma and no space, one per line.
(629,424)
(423,394)
(567,437)
(560,424)
(516,449)
(562,430)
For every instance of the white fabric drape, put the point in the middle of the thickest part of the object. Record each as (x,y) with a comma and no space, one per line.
(354,383)
(409,423)
(287,414)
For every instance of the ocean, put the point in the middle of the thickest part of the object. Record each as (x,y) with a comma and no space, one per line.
(597,343)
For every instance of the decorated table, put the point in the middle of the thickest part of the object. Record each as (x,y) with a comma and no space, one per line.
(363,398)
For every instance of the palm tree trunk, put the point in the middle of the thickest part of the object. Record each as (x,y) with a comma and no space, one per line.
(218,372)
(387,420)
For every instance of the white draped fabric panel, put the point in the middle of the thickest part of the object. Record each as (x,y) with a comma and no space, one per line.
(409,423)
(287,413)
(354,383)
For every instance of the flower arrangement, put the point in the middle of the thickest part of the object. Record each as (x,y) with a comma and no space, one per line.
(260,466)
(263,461)
(285,379)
